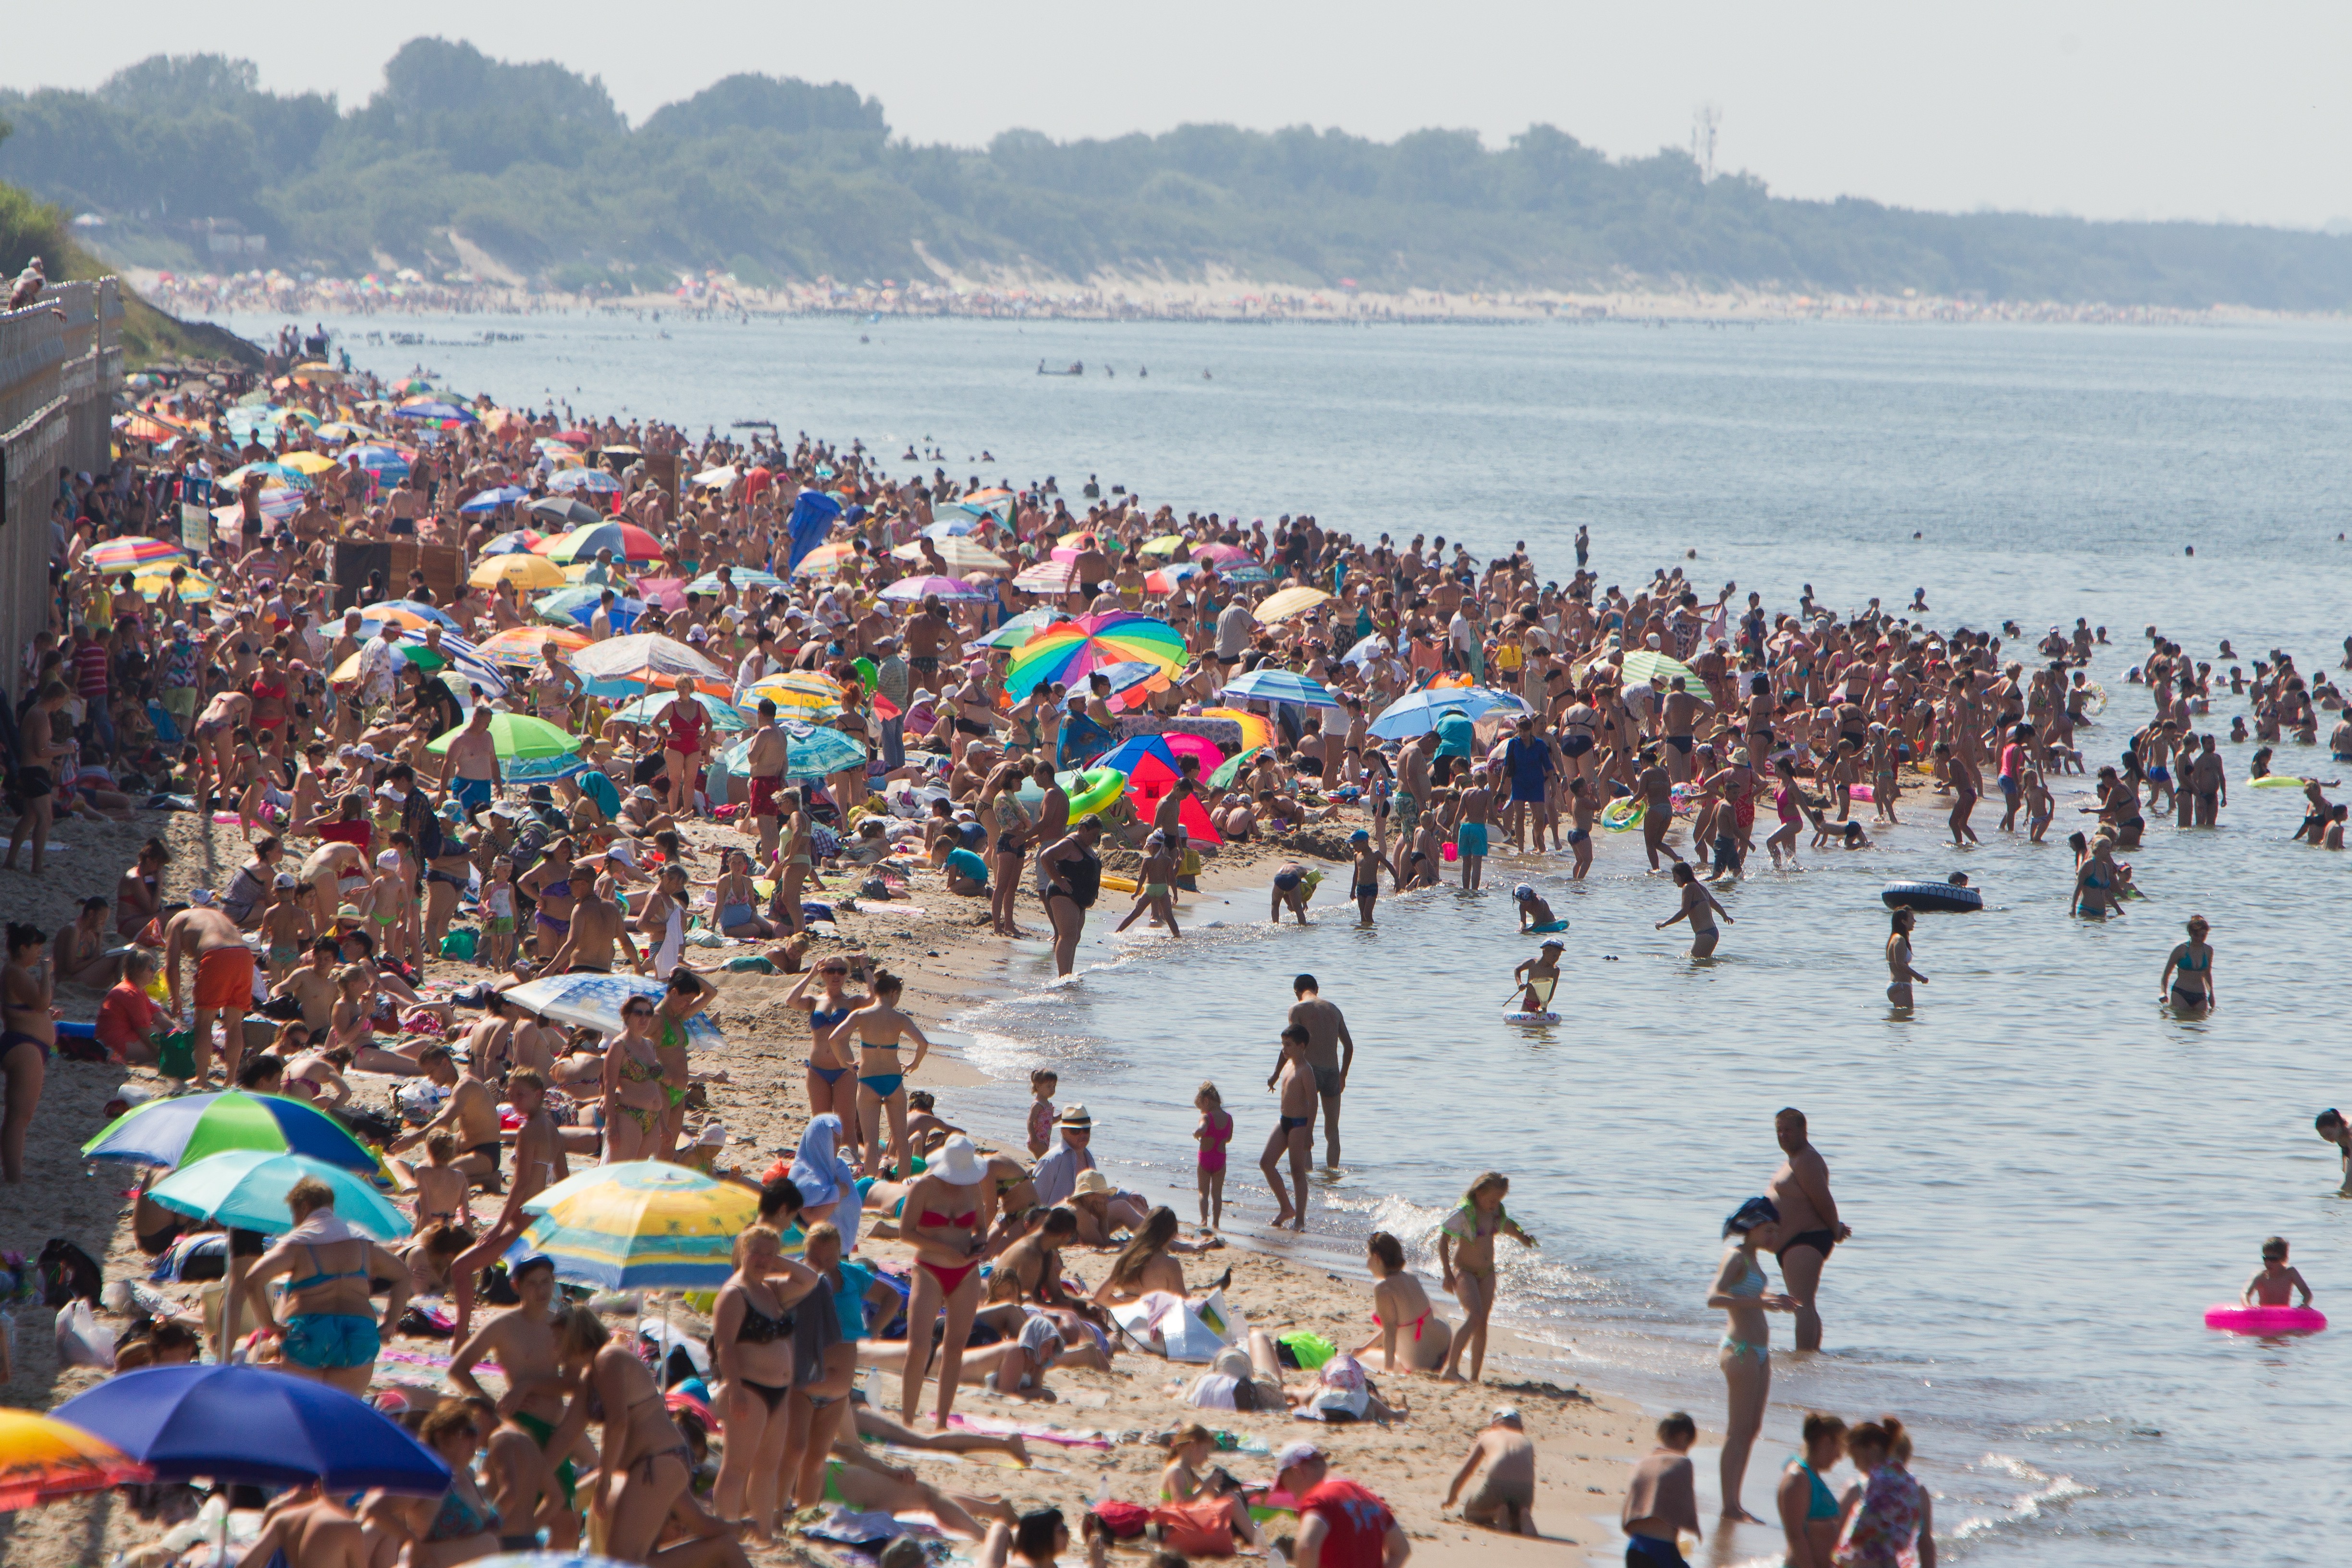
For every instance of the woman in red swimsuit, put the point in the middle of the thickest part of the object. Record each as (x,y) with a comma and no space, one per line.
(945,1218)
(683,743)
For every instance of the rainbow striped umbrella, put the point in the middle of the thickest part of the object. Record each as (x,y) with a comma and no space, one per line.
(1074,650)
(647,1223)
(42,1457)
(117,555)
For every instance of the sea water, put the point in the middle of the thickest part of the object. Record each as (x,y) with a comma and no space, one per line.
(2049,1177)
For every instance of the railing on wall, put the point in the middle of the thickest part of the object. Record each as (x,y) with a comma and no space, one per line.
(61,361)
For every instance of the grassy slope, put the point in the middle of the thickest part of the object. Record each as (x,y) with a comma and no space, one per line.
(30,228)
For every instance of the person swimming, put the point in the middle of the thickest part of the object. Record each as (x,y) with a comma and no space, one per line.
(1535,915)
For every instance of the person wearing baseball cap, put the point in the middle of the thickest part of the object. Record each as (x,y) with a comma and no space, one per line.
(1340,1524)
(1506,1496)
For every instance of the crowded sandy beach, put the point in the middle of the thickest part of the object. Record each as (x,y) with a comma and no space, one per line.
(491,890)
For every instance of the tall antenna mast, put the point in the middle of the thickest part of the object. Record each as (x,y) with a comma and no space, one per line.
(1705,118)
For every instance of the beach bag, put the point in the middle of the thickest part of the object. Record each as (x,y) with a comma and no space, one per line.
(1121,1520)
(1201,1528)
(459,944)
(177,1055)
(82,1341)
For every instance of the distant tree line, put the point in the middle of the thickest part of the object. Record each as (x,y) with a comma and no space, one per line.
(781,180)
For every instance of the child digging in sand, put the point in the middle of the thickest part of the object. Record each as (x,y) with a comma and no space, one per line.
(1215,1131)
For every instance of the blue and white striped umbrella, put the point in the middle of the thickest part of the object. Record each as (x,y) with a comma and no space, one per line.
(594,1002)
(1282,685)
(1417,712)
(747,581)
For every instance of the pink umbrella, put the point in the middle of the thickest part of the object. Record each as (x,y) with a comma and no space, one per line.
(669,593)
(911,590)
(1049,577)
(1211,756)
(1223,554)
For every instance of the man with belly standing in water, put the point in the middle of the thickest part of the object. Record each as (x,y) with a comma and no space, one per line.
(1808,1221)
(1327,1036)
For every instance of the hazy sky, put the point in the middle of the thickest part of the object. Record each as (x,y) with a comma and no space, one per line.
(2153,109)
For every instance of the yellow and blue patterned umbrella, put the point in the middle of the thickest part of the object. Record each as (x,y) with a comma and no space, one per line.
(645,1224)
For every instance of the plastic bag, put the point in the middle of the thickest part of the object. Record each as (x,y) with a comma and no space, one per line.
(82,1340)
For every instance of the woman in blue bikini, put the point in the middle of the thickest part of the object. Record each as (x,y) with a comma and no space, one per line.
(830,1058)
(1746,1352)
(878,1028)
(1810,1512)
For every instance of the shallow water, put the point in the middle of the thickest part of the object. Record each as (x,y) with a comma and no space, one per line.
(2048,1176)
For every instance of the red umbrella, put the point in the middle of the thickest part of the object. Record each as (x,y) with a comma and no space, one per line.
(576,438)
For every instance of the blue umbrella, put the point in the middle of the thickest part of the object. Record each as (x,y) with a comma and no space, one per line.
(385,462)
(812,752)
(594,1002)
(577,606)
(746,581)
(508,543)
(597,481)
(1417,712)
(190,1127)
(1282,685)
(247,1188)
(490,500)
(248,1423)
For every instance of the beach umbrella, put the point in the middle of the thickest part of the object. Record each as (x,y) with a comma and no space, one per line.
(1049,577)
(119,556)
(1224,555)
(952,525)
(1132,678)
(747,579)
(804,694)
(562,512)
(725,716)
(453,654)
(387,463)
(649,1225)
(669,593)
(812,751)
(1166,544)
(594,1001)
(43,1457)
(255,1426)
(1257,730)
(512,541)
(627,540)
(1417,712)
(1023,626)
(518,736)
(717,478)
(408,386)
(247,1188)
(1230,768)
(275,476)
(183,1129)
(644,658)
(914,590)
(825,560)
(490,500)
(1152,773)
(411,613)
(527,644)
(520,568)
(1642,665)
(1168,578)
(1069,652)
(577,608)
(196,588)
(960,555)
(308,462)
(1371,648)
(1211,755)
(1290,602)
(576,436)
(597,481)
(1248,572)
(1269,685)
(427,411)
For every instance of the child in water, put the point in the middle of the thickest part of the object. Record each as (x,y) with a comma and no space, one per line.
(2275,1282)
(1538,977)
(1535,915)
(1215,1131)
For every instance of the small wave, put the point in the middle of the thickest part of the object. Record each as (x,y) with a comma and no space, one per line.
(2050,1493)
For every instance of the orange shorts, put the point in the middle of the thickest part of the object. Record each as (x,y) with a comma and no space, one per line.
(224,980)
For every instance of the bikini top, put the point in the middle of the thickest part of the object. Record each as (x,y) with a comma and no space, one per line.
(759,1329)
(2192,964)
(318,1275)
(826,1018)
(458,1518)
(1820,1501)
(960,1221)
(638,1071)
(1751,1284)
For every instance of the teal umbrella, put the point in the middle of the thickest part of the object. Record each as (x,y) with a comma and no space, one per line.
(811,751)
(247,1188)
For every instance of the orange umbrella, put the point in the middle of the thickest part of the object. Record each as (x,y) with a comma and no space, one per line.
(42,1457)
(1256,728)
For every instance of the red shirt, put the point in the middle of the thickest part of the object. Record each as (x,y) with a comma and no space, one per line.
(126,1014)
(1357,1521)
(90,664)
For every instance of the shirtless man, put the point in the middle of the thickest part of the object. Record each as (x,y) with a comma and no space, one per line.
(202,934)
(764,767)
(597,924)
(1413,790)
(2209,782)
(314,986)
(926,632)
(1800,1189)
(489,1044)
(539,1165)
(1326,1038)
(1658,790)
(470,770)
(471,1116)
(533,1456)
(1677,716)
(1295,1134)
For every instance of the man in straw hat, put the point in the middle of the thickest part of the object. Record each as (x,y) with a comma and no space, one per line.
(1057,1176)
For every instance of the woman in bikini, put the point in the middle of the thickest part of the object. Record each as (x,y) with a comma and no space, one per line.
(643,1470)
(1009,825)
(1465,1251)
(752,1344)
(2188,979)
(1411,1336)
(1745,1354)
(831,1059)
(330,1334)
(27,1038)
(1809,1512)
(1700,909)
(634,1102)
(944,1219)
(795,864)
(876,1029)
(737,901)
(1144,1265)
(549,886)
(687,994)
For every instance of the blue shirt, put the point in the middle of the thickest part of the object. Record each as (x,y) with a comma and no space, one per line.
(1455,735)
(849,1301)
(970,864)
(1531,761)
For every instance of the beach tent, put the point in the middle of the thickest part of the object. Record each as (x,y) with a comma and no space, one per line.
(1152,773)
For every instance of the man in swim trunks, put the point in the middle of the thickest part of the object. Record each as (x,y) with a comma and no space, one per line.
(470,1115)
(524,1458)
(1326,1038)
(470,770)
(1470,832)
(764,767)
(539,1165)
(1808,1221)
(1294,1133)
(1677,715)
(223,979)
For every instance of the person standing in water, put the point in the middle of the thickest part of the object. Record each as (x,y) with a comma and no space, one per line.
(1898,961)
(1700,909)
(1538,977)
(1330,1052)
(1465,1251)
(2188,979)
(1745,1354)
(1662,1499)
(1810,1226)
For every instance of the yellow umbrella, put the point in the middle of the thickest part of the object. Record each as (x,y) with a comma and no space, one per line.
(1166,544)
(1290,602)
(308,462)
(42,1457)
(522,569)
